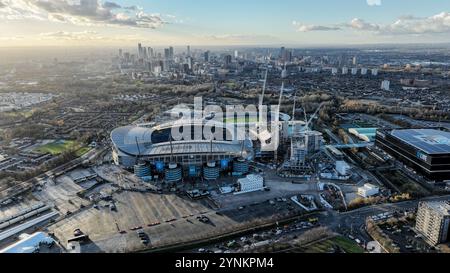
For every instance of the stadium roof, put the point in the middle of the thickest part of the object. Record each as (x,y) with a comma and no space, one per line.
(427,140)
(134,140)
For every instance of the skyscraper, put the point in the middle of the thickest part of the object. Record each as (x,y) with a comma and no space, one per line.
(166,53)
(144,53)
(139,50)
(150,53)
(188,51)
(171,54)
(189,62)
(282,52)
(206,55)
(227,60)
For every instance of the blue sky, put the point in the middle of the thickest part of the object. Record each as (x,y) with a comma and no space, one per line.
(225,22)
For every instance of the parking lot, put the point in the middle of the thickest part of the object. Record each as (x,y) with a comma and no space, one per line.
(62,193)
(404,237)
(165,219)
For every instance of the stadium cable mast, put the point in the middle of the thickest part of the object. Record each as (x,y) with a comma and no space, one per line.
(139,149)
(171,147)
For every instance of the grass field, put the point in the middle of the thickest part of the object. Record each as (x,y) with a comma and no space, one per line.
(82,151)
(330,245)
(58,147)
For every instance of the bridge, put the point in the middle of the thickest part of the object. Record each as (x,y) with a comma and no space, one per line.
(352,145)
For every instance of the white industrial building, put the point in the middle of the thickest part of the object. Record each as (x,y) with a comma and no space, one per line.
(368,190)
(251,183)
(386,85)
(342,168)
(344,70)
(29,243)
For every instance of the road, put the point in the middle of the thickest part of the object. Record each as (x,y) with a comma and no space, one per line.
(353,222)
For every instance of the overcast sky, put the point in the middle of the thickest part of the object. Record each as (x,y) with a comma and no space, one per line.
(222,22)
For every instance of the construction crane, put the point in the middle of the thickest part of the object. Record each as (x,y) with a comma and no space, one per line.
(261,99)
(295,105)
(308,122)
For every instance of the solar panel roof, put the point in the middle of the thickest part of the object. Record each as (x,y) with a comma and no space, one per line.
(427,140)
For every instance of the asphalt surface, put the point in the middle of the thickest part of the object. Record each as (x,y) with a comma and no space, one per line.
(353,222)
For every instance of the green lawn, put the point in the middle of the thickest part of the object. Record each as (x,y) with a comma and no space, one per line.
(58,147)
(326,246)
(83,151)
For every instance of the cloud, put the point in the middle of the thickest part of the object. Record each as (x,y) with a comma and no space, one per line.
(405,25)
(81,12)
(111,5)
(360,24)
(76,36)
(239,38)
(307,28)
(374,2)
(64,35)
(439,23)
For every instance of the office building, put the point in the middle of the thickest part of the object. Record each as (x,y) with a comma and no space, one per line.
(171,53)
(189,62)
(150,53)
(227,60)
(167,53)
(426,150)
(139,50)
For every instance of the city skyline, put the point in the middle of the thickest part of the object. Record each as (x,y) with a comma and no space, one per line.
(212,23)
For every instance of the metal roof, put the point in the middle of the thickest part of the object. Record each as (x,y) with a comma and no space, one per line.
(135,140)
(28,243)
(427,140)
